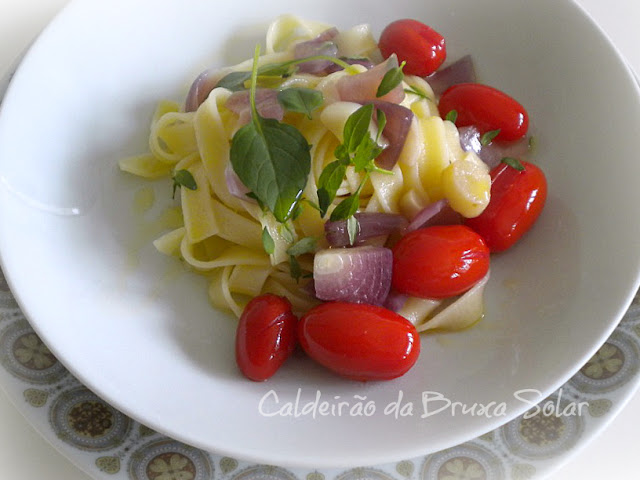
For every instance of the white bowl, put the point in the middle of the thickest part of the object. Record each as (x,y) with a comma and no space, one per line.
(139,331)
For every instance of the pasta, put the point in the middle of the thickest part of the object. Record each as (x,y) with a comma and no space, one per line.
(223,232)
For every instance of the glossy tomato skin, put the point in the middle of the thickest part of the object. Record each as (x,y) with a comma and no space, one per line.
(265,337)
(413,42)
(487,108)
(517,199)
(359,341)
(439,261)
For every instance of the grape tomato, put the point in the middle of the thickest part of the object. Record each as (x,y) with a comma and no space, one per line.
(420,46)
(487,108)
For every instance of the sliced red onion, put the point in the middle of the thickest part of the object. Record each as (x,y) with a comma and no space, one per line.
(235,185)
(493,153)
(362,88)
(266,103)
(399,120)
(200,89)
(310,288)
(470,139)
(395,301)
(321,45)
(365,62)
(358,275)
(436,213)
(370,225)
(461,71)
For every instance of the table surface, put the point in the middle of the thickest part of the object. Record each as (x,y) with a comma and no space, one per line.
(609,455)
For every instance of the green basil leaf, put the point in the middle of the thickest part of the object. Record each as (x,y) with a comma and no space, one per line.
(294,268)
(513,163)
(382,122)
(302,246)
(283,69)
(364,155)
(183,178)
(234,81)
(342,154)
(391,80)
(267,241)
(272,159)
(488,137)
(329,183)
(286,231)
(452,116)
(301,100)
(346,208)
(357,127)
(418,92)
(297,211)
(353,227)
(324,200)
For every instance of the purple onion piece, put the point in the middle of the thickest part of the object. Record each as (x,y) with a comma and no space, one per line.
(266,103)
(436,213)
(357,275)
(362,88)
(461,71)
(493,153)
(399,120)
(395,301)
(321,45)
(470,139)
(310,288)
(370,225)
(200,90)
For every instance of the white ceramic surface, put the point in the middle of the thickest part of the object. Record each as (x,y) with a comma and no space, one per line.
(112,341)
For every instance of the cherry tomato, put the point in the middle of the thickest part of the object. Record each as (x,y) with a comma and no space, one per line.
(439,261)
(487,108)
(359,341)
(265,337)
(517,198)
(413,42)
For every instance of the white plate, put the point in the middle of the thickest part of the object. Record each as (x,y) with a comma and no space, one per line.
(144,337)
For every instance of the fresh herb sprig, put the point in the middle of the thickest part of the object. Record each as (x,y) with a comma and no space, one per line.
(513,163)
(271,158)
(391,80)
(267,242)
(183,178)
(236,81)
(302,246)
(300,99)
(452,116)
(357,149)
(488,137)
(418,92)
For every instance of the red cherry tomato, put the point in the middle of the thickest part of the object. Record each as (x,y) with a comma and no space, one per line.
(439,261)
(413,42)
(359,341)
(265,337)
(517,198)
(487,108)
